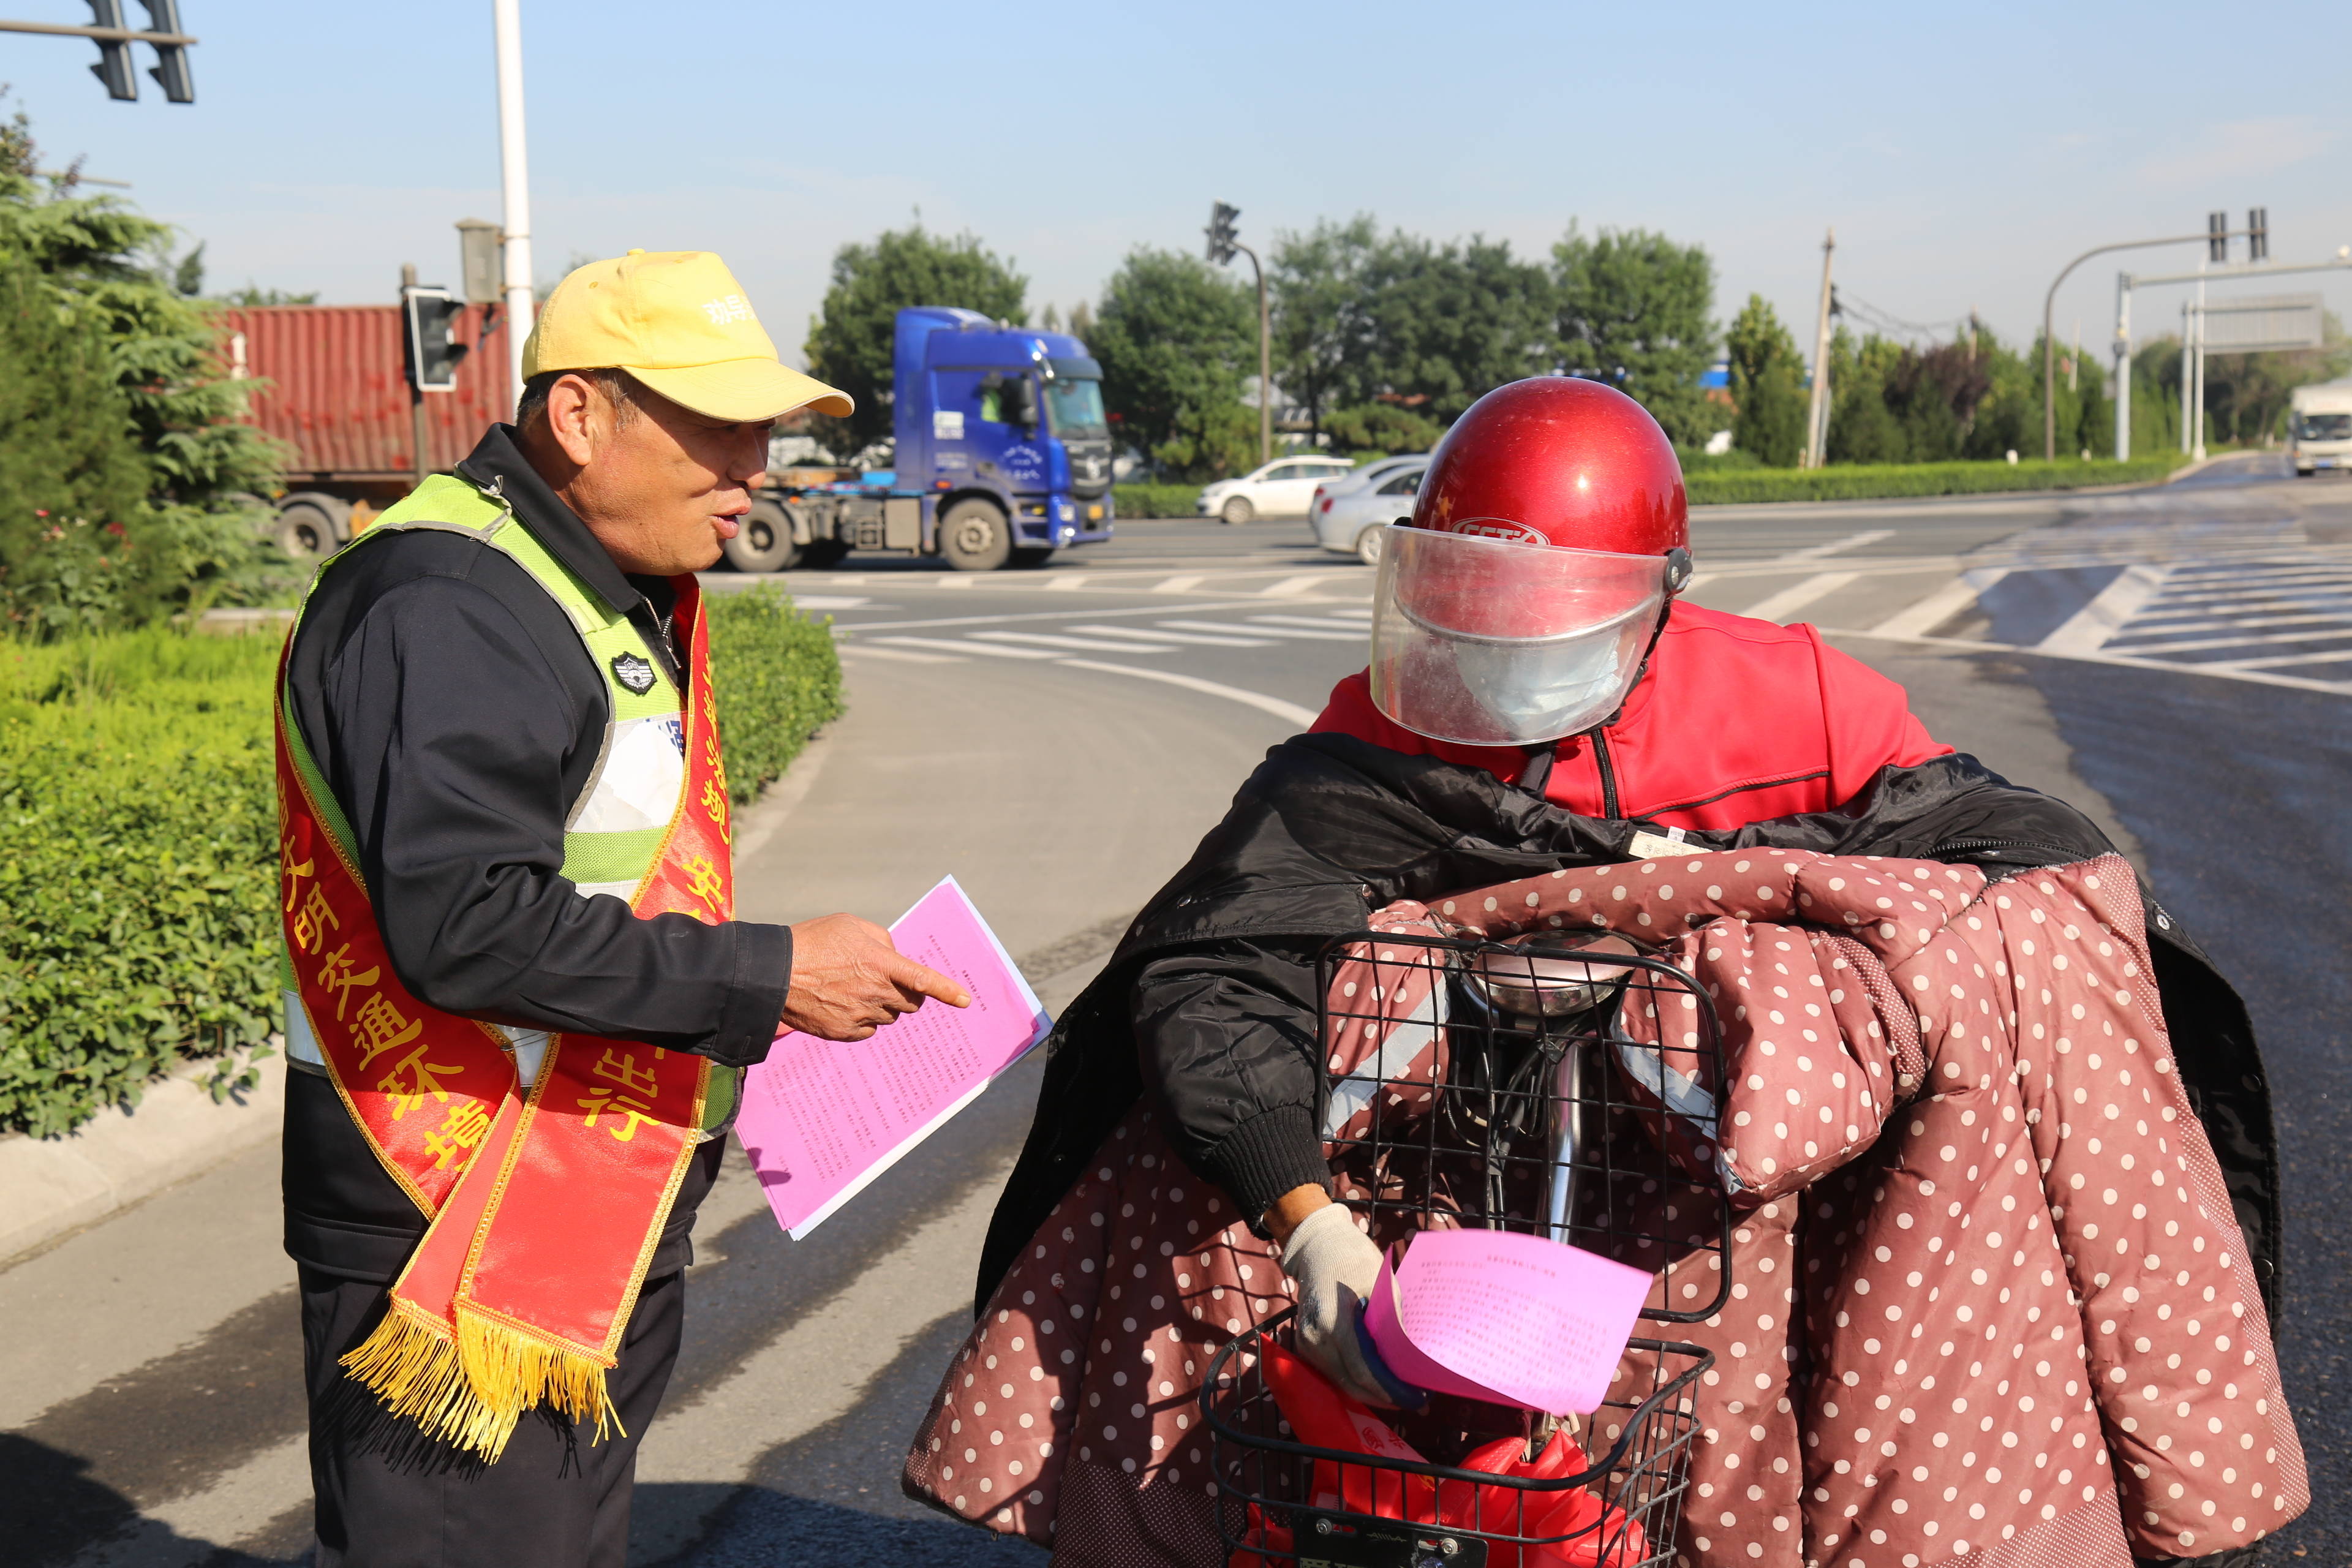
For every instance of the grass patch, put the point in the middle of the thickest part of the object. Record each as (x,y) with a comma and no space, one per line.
(1880,482)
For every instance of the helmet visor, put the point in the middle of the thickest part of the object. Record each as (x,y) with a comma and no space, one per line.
(1492,643)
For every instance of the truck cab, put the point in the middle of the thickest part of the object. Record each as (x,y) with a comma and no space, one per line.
(2319,427)
(1002,455)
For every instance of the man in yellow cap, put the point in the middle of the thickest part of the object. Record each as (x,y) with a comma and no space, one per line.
(517,1002)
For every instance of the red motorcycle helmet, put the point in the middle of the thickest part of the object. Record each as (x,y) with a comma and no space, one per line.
(1555,460)
(1519,602)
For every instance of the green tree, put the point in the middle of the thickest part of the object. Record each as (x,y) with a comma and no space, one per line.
(1446,324)
(1767,380)
(1177,338)
(1317,284)
(849,342)
(93,291)
(1636,310)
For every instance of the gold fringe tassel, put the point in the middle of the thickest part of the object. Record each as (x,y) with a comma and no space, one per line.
(472,1387)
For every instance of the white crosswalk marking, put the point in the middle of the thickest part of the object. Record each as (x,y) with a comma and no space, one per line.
(1177,584)
(1835,546)
(865,651)
(1780,606)
(1272,631)
(1197,638)
(1921,619)
(1291,585)
(2088,628)
(967,646)
(1084,645)
(1325,623)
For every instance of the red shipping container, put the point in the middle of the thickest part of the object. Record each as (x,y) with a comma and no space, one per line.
(339,396)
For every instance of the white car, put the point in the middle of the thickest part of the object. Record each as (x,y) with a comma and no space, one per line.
(1284,488)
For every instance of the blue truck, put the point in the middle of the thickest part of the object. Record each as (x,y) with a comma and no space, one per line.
(1004,456)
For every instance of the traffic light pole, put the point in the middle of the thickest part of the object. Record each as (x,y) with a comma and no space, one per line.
(416,423)
(2049,348)
(1264,365)
(515,177)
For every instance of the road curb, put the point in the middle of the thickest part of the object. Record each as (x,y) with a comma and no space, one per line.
(50,1187)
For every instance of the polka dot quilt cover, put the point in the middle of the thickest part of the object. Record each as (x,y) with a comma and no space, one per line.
(1988,1302)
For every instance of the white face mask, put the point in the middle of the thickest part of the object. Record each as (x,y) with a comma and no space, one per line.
(1557,690)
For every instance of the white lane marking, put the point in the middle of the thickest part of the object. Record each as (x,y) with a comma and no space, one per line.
(188,1529)
(952,583)
(830,601)
(1291,585)
(1084,645)
(2270,593)
(2341,655)
(1290,712)
(1780,606)
(1065,584)
(1228,627)
(1324,623)
(1941,605)
(1177,585)
(2219,669)
(2252,639)
(1354,615)
(2088,628)
(1193,637)
(2149,626)
(1851,541)
(866,650)
(966,646)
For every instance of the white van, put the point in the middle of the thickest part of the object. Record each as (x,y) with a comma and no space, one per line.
(2319,426)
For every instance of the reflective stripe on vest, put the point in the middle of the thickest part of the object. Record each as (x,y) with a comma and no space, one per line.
(613,833)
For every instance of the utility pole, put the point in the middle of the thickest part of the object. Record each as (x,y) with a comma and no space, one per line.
(515,177)
(1817,412)
(1223,248)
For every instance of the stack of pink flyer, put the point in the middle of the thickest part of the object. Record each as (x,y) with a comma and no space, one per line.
(821,1119)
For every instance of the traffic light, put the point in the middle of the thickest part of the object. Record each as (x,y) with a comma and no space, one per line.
(2258,234)
(170,72)
(2217,237)
(1220,232)
(478,257)
(426,318)
(113,66)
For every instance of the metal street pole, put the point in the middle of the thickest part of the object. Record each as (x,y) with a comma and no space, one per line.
(2050,349)
(2197,420)
(1264,365)
(515,177)
(1817,411)
(2188,347)
(2123,366)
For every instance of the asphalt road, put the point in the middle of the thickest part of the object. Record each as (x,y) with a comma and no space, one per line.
(2176,661)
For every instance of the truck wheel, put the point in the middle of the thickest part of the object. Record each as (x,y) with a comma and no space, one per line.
(310,526)
(823,554)
(765,543)
(1237,511)
(1029,558)
(975,537)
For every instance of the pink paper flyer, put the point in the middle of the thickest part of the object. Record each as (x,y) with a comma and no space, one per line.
(821,1119)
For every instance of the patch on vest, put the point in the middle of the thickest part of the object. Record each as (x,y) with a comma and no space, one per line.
(633,672)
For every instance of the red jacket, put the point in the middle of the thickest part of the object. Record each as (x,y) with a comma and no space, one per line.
(1737,721)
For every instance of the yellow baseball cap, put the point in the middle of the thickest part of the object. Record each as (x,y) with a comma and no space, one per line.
(677,320)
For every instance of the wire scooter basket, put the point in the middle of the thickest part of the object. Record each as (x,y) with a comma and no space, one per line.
(1498,1085)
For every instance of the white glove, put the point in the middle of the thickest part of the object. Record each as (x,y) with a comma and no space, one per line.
(1335,1266)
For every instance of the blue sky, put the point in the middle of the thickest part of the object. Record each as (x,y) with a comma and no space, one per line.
(1963,154)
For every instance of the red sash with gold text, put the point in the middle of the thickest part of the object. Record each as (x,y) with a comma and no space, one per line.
(547,1199)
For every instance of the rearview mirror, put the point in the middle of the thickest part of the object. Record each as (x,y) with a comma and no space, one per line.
(1020,401)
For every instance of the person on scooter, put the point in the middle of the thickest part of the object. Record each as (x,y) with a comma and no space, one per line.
(1539,697)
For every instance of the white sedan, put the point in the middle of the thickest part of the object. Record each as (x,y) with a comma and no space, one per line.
(1284,488)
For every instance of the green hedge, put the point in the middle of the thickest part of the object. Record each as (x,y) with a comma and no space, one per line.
(1155,500)
(1877,482)
(138,842)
